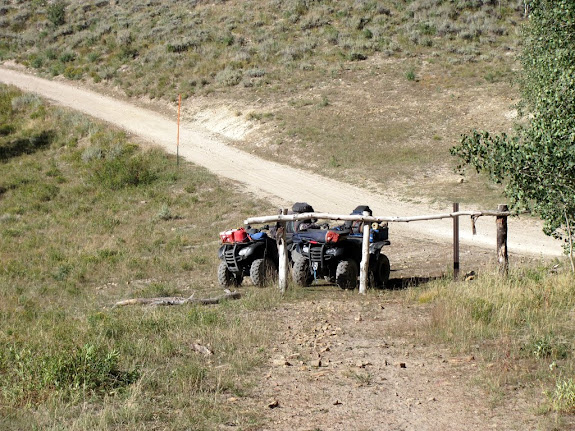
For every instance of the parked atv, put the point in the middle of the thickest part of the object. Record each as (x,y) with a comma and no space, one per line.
(244,253)
(335,254)
(299,225)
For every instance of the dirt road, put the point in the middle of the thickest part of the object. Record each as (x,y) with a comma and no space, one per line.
(281,184)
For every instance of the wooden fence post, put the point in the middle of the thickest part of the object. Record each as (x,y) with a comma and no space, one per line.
(455,242)
(282,254)
(364,266)
(502,256)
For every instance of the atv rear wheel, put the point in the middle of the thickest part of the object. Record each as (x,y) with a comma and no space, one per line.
(379,275)
(301,272)
(263,271)
(227,278)
(346,274)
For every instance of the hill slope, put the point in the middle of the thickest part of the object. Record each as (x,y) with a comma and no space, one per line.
(265,177)
(374,92)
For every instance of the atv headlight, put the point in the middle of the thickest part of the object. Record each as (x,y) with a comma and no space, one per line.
(331,251)
(305,249)
(243,251)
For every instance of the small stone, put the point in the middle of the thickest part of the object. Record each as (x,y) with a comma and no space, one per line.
(362,364)
(401,365)
(281,362)
(337,403)
(316,363)
(273,404)
(358,318)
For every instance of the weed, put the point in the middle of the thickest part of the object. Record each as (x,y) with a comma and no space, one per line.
(334,162)
(70,373)
(164,213)
(410,74)
(324,102)
(562,399)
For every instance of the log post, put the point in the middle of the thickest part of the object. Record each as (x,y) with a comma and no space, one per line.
(502,257)
(455,242)
(364,266)
(282,254)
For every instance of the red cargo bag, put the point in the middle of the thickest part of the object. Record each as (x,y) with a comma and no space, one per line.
(233,235)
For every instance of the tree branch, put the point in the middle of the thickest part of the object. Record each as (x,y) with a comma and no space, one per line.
(176,300)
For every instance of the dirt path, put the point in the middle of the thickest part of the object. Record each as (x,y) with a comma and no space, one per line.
(342,364)
(281,184)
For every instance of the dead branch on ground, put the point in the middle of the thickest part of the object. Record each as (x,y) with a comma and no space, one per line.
(176,300)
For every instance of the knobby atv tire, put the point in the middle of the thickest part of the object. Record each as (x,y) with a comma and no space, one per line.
(379,275)
(301,273)
(263,271)
(227,278)
(346,274)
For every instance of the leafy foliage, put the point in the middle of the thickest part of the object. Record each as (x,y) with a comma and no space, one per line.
(538,164)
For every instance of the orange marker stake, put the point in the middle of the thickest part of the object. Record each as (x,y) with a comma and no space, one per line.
(178,138)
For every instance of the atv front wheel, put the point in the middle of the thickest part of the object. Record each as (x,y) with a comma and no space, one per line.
(346,274)
(263,271)
(227,278)
(301,272)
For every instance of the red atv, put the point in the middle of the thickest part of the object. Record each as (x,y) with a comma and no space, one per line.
(250,253)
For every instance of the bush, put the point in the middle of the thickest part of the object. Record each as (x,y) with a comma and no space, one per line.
(29,376)
(56,13)
(124,171)
(229,77)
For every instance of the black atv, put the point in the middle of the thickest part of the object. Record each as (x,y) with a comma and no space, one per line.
(335,254)
(252,252)
(298,225)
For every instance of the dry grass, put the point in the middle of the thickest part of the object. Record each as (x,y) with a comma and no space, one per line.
(519,328)
(74,242)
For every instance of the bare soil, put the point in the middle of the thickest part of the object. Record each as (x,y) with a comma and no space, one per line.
(343,364)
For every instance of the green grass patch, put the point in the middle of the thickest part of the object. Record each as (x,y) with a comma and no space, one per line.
(86,219)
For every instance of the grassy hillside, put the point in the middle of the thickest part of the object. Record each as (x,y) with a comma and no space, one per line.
(373,92)
(86,219)
(163,48)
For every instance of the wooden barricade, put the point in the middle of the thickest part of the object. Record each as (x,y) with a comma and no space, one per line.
(501,222)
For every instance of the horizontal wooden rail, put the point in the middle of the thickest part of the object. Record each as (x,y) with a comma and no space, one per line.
(501,214)
(371,219)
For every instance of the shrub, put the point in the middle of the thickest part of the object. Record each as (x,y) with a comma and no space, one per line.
(71,372)
(121,172)
(56,13)
(229,77)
